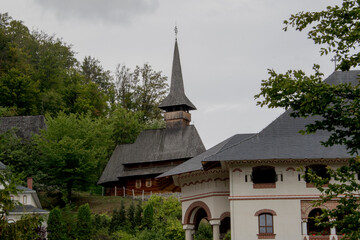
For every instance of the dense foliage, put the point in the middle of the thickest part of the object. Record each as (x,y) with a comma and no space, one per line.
(120,224)
(88,110)
(337,29)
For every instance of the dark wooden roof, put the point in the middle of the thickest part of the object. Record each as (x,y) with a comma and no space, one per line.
(279,140)
(153,146)
(26,125)
(176,97)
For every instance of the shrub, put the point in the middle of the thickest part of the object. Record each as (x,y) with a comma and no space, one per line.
(83,224)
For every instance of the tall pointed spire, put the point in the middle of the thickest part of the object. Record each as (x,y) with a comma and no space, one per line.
(176,100)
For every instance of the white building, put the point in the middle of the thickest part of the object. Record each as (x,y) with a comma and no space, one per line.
(28,202)
(249,183)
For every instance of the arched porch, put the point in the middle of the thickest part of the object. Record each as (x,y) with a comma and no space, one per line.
(199,210)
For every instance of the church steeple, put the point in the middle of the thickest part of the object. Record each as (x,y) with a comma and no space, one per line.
(176,100)
(176,104)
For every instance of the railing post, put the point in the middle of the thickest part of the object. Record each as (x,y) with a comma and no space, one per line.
(124,189)
(115,191)
(133,192)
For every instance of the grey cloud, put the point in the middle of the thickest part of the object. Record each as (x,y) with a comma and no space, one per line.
(106,11)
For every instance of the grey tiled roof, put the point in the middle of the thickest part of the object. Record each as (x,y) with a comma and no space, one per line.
(194,164)
(177,95)
(26,125)
(153,146)
(27,209)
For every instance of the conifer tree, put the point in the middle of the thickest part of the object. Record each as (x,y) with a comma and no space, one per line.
(55,225)
(84,226)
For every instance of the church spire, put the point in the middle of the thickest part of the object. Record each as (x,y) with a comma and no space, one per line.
(176,100)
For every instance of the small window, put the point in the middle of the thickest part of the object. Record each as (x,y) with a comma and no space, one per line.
(138,183)
(24,199)
(319,170)
(264,174)
(148,182)
(266,223)
(12,198)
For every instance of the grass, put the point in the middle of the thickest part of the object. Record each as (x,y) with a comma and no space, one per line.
(98,204)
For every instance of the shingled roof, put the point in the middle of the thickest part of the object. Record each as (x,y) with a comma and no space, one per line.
(177,95)
(26,125)
(279,140)
(194,164)
(153,146)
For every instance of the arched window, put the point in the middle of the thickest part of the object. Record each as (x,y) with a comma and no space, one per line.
(264,174)
(24,199)
(266,224)
(313,227)
(319,169)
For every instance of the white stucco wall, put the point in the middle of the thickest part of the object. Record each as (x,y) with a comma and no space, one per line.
(287,222)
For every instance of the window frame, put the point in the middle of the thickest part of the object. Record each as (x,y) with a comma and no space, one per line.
(138,183)
(266,226)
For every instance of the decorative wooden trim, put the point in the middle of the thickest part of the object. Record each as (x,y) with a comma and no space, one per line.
(264,185)
(224,215)
(266,236)
(290,169)
(202,173)
(194,207)
(272,212)
(237,170)
(200,182)
(289,161)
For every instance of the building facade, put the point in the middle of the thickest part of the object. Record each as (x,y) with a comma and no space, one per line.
(253,183)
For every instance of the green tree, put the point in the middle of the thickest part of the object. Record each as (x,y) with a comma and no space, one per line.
(337,106)
(141,90)
(55,225)
(138,215)
(118,219)
(73,149)
(83,224)
(126,125)
(148,216)
(204,231)
(131,216)
(27,228)
(8,181)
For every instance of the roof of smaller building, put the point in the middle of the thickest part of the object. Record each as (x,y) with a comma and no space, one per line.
(27,209)
(2,166)
(26,125)
(153,146)
(24,189)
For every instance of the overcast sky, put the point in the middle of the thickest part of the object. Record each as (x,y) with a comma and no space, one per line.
(226,47)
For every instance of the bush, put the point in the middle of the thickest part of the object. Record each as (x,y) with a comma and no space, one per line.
(83,224)
(204,231)
(55,225)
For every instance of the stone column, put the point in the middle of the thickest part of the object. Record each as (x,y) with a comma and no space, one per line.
(304,227)
(189,231)
(216,229)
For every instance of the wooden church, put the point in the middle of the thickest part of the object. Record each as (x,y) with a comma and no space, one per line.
(132,168)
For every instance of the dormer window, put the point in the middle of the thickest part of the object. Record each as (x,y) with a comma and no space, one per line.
(264,177)
(319,169)
(24,199)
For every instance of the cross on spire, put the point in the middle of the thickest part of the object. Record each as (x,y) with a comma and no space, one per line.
(176,31)
(335,59)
